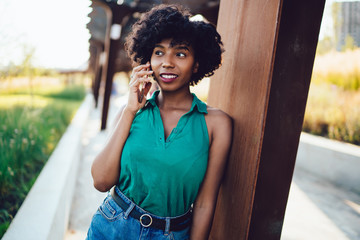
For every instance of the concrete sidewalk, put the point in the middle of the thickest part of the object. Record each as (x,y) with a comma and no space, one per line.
(315,210)
(86,198)
(319,210)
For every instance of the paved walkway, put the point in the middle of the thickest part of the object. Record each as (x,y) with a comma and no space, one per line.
(316,209)
(86,198)
(319,210)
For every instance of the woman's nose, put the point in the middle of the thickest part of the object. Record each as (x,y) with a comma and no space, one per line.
(167,62)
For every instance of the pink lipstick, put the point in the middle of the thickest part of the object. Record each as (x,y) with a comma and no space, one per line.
(168,77)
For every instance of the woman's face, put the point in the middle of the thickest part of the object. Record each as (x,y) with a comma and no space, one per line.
(173,65)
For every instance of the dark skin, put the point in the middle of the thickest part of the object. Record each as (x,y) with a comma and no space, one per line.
(172,67)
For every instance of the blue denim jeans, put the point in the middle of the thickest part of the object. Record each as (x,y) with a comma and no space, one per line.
(111,222)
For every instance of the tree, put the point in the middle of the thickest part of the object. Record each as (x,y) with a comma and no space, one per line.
(26,66)
(337,21)
(350,43)
(325,45)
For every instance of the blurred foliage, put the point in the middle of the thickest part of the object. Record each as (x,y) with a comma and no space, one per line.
(75,92)
(337,20)
(26,68)
(333,41)
(30,127)
(325,45)
(72,92)
(334,113)
(341,69)
(333,106)
(350,44)
(346,81)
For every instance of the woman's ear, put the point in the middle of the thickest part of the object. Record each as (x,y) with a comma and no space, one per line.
(196,67)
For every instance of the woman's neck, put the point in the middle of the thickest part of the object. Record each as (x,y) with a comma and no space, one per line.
(171,100)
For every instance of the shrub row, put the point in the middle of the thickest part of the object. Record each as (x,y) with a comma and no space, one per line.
(28,135)
(333,106)
(334,113)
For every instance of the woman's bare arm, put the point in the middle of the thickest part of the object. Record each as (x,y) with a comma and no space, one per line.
(106,166)
(220,126)
(105,169)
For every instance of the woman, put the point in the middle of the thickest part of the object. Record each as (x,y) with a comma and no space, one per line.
(166,155)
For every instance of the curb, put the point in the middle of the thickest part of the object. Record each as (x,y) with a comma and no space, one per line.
(333,161)
(45,211)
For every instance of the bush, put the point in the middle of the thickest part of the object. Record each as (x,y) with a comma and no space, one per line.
(347,81)
(338,68)
(28,135)
(333,106)
(75,92)
(334,113)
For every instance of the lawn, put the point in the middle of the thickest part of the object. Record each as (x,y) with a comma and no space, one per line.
(31,124)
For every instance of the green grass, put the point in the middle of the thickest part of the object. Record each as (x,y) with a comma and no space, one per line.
(72,92)
(30,128)
(75,92)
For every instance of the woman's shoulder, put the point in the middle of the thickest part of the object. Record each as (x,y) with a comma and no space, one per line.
(217,115)
(218,122)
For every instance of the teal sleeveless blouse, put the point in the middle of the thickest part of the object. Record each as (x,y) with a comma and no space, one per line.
(160,175)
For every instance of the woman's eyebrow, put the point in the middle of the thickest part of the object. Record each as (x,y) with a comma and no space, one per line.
(182,47)
(159,46)
(177,47)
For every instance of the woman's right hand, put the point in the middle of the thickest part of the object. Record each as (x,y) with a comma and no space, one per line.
(139,86)
(105,169)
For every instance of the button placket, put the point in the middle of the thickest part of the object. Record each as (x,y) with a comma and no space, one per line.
(180,125)
(160,126)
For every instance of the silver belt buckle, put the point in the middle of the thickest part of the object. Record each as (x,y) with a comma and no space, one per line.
(146,225)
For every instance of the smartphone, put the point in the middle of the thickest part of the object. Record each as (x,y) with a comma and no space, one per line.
(142,87)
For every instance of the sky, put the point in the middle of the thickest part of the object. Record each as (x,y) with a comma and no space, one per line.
(55,30)
(326,28)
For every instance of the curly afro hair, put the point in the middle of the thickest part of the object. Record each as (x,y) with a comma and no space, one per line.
(173,21)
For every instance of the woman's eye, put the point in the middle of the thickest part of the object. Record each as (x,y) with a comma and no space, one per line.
(158,53)
(181,54)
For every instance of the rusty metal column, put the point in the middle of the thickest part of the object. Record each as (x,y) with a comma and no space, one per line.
(118,12)
(270,48)
(97,68)
(112,54)
(105,76)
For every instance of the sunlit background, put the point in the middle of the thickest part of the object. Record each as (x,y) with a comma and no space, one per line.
(54,30)
(42,41)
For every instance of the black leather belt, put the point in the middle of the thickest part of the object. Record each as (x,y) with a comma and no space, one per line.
(147,220)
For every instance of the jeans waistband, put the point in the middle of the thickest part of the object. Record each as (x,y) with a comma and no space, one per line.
(147,219)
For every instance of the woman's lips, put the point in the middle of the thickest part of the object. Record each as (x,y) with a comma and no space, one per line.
(168,77)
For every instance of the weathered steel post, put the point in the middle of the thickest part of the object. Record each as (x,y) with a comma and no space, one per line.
(97,48)
(115,15)
(263,84)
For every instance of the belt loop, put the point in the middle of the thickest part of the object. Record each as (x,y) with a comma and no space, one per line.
(167,226)
(128,211)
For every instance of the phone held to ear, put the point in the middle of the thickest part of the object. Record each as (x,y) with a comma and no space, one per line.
(141,93)
(142,87)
